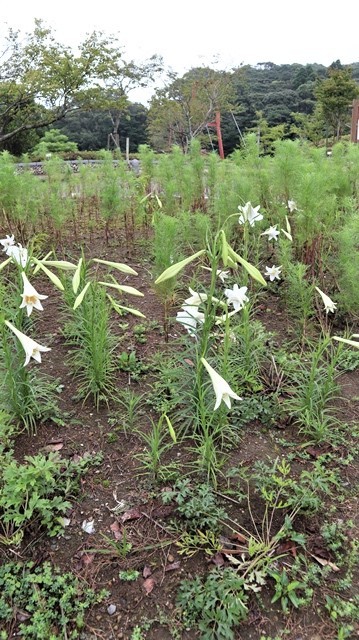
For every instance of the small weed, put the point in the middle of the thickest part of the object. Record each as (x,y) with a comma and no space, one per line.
(37,491)
(130,403)
(285,590)
(197,504)
(156,445)
(214,606)
(129,575)
(191,543)
(128,361)
(139,332)
(52,603)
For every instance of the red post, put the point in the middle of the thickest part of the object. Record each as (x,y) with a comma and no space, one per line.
(217,124)
(354,137)
(219,134)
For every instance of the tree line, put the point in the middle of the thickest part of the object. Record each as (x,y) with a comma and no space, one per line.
(85,96)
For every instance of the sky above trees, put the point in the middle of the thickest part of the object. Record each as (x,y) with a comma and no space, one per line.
(189,34)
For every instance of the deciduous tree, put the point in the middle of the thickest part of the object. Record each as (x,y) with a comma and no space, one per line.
(41,80)
(181,111)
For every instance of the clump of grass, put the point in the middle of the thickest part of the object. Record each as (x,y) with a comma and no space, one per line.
(93,359)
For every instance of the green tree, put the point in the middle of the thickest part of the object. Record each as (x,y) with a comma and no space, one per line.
(308,127)
(335,95)
(90,129)
(267,135)
(43,80)
(53,141)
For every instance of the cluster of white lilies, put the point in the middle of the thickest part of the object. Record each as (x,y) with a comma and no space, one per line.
(31,299)
(251,215)
(190,316)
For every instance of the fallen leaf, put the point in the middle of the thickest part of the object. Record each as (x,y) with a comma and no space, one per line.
(218,559)
(233,560)
(149,585)
(86,559)
(21,616)
(325,563)
(57,446)
(65,522)
(315,453)
(289,545)
(131,514)
(146,571)
(172,566)
(240,537)
(162,511)
(116,529)
(188,361)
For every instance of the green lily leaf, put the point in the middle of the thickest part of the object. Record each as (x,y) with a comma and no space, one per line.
(174,269)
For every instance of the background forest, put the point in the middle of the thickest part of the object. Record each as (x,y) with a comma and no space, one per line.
(86,98)
(276,101)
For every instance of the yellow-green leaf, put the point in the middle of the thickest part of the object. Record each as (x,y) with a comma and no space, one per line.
(119,308)
(352,343)
(124,287)
(3,264)
(76,277)
(174,269)
(37,268)
(224,248)
(81,296)
(54,279)
(60,264)
(253,271)
(170,428)
(117,265)
(158,201)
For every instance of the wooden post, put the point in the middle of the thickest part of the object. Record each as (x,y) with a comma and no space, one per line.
(219,135)
(217,125)
(354,134)
(127,150)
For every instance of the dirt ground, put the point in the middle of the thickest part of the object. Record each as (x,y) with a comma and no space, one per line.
(120,499)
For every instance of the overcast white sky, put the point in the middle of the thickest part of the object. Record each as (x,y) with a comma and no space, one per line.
(190,33)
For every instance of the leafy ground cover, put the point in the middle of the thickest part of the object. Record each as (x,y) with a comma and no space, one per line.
(130,507)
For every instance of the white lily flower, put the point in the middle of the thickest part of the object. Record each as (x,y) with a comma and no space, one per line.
(19,254)
(249,214)
(237,296)
(221,388)
(30,297)
(292,206)
(272,233)
(7,242)
(328,303)
(273,272)
(196,298)
(223,275)
(189,317)
(32,349)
